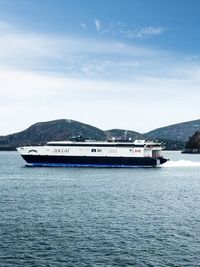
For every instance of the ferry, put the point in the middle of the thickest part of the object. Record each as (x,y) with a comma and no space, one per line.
(121,154)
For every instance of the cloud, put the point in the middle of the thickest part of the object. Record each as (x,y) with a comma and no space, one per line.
(120,29)
(93,58)
(45,77)
(83,26)
(40,97)
(70,54)
(97,24)
(145,32)
(152,30)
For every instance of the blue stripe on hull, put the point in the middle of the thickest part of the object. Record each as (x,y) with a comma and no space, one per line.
(36,164)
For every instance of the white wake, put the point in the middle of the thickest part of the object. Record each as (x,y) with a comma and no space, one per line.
(181,163)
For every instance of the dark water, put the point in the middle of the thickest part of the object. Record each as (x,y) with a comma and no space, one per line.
(100,217)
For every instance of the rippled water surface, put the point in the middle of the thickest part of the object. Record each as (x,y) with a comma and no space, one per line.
(100,217)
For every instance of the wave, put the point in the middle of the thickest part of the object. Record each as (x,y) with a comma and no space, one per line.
(181,163)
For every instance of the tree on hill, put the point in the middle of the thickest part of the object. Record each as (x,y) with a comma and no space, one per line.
(193,143)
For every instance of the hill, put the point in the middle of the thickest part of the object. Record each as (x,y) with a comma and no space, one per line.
(176,132)
(174,136)
(42,132)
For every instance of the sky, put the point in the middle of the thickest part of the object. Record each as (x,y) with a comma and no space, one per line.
(128,64)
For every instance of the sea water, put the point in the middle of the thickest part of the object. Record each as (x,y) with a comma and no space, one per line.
(100,217)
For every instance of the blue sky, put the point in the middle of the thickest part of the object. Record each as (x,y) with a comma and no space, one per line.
(132,64)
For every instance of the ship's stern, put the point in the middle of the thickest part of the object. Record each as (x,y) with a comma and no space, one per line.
(161,160)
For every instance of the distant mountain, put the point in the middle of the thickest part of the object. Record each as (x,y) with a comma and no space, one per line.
(42,132)
(176,132)
(174,136)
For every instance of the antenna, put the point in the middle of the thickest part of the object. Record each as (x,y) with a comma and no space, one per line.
(125,134)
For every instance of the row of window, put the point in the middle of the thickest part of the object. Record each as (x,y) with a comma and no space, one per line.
(99,145)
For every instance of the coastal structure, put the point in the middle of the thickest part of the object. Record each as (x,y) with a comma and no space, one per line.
(139,153)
